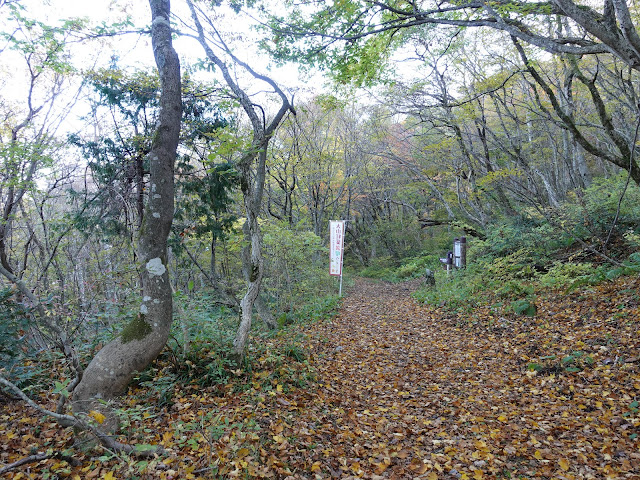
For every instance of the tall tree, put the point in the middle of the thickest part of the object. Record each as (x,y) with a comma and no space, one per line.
(252,164)
(144,337)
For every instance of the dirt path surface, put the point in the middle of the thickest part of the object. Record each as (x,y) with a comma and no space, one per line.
(409,392)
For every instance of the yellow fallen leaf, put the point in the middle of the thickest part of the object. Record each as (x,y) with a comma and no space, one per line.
(98,417)
(481,445)
(432,476)
(108,476)
(315,467)
(243,452)
(538,455)
(279,388)
(564,464)
(502,418)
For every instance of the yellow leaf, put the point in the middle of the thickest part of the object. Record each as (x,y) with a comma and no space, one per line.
(481,445)
(538,455)
(432,476)
(98,417)
(279,388)
(564,464)
(243,452)
(315,467)
(478,474)
(108,476)
(502,418)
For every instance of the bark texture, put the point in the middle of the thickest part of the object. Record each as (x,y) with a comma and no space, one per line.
(142,340)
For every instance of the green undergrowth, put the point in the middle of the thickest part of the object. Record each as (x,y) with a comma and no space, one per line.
(512,285)
(273,357)
(594,237)
(390,270)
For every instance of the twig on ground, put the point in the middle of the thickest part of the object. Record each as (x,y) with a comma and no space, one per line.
(37,458)
(73,421)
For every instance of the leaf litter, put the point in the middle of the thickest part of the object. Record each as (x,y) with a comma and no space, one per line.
(394,389)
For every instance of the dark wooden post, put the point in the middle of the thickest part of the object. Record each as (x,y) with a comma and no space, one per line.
(463,252)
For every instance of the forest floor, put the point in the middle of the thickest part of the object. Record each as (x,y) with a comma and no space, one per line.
(393,389)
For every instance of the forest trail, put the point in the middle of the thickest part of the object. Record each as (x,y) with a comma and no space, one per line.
(390,389)
(406,391)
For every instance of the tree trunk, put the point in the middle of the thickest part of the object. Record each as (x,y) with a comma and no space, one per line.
(254,268)
(144,337)
(247,269)
(253,263)
(251,181)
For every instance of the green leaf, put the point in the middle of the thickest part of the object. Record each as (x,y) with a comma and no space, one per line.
(144,447)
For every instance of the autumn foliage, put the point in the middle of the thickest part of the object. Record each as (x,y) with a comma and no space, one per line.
(393,389)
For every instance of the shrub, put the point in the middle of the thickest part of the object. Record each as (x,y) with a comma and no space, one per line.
(461,291)
(416,266)
(564,274)
(525,306)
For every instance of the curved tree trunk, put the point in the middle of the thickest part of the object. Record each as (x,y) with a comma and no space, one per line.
(144,337)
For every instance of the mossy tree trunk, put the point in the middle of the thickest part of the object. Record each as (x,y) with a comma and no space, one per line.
(144,337)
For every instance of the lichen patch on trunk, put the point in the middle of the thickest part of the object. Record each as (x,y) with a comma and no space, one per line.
(155,267)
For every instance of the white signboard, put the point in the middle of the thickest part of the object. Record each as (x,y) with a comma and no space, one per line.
(336,247)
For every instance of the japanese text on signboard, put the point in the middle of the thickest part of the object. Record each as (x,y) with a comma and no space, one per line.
(336,238)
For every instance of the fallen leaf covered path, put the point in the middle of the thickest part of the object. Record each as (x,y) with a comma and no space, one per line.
(406,391)
(389,389)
